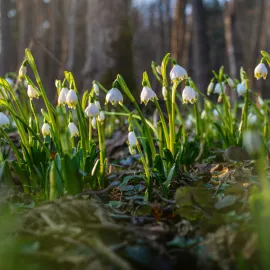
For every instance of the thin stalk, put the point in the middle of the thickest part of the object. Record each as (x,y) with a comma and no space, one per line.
(165,129)
(35,116)
(101,151)
(196,114)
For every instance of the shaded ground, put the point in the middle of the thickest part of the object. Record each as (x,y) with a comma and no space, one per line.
(205,224)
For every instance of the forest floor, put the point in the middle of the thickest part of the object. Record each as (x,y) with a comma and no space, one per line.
(205,223)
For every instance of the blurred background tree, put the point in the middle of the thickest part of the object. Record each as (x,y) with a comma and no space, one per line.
(96,39)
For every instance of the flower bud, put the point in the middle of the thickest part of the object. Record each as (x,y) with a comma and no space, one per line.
(32,92)
(46,130)
(62,99)
(71,99)
(73,130)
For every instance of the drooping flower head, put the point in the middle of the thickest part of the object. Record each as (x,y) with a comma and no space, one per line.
(22,72)
(210,88)
(91,110)
(114,96)
(241,89)
(4,121)
(147,94)
(260,71)
(96,89)
(94,123)
(46,130)
(62,99)
(178,73)
(71,99)
(73,130)
(32,92)
(231,82)
(101,117)
(219,87)
(189,95)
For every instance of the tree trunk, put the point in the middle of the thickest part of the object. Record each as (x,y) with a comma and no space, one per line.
(178,31)
(5,38)
(200,45)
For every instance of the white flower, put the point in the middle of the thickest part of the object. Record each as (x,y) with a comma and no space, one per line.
(147,94)
(260,71)
(217,89)
(252,141)
(210,88)
(178,73)
(32,92)
(71,99)
(158,69)
(252,119)
(22,72)
(46,130)
(164,92)
(230,82)
(101,117)
(96,89)
(114,96)
(91,110)
(132,139)
(62,99)
(73,130)
(260,101)
(94,123)
(241,89)
(189,95)
(4,121)
(98,105)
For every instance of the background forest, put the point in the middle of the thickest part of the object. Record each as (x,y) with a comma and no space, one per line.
(97,39)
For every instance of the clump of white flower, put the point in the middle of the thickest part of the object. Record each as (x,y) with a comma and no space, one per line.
(101,117)
(91,110)
(96,89)
(73,130)
(71,99)
(46,130)
(241,89)
(4,121)
(62,99)
(178,73)
(32,92)
(219,87)
(260,71)
(189,95)
(147,94)
(132,142)
(114,96)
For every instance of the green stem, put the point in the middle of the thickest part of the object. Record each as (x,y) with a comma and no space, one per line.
(101,151)
(197,119)
(165,129)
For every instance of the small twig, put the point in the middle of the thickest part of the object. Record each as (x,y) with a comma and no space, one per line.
(102,191)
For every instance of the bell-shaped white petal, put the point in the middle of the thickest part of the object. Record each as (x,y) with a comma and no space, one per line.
(241,89)
(46,130)
(132,139)
(96,89)
(91,110)
(22,72)
(252,119)
(32,92)
(219,87)
(147,94)
(189,95)
(4,121)
(94,123)
(164,92)
(260,71)
(178,73)
(62,99)
(98,105)
(71,99)
(210,88)
(231,82)
(114,96)
(101,117)
(73,130)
